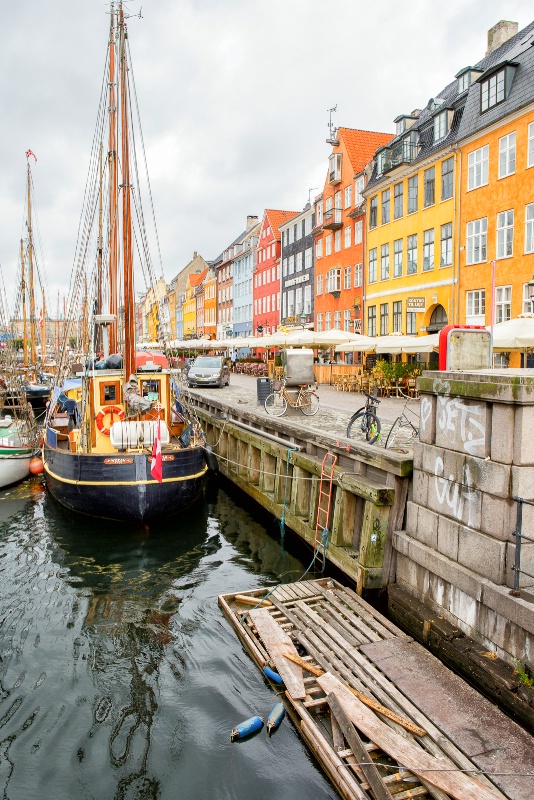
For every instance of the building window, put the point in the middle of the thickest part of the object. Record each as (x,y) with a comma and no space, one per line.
(529,228)
(441,125)
(385,206)
(530,151)
(372,265)
(477,232)
(319,323)
(397,258)
(503,303)
(528,304)
(348,195)
(492,91)
(384,319)
(505,234)
(373,212)
(299,261)
(447,168)
(359,186)
(334,169)
(348,235)
(358,275)
(290,265)
(308,299)
(397,316)
(319,248)
(298,232)
(507,155)
(446,245)
(333,280)
(337,320)
(308,225)
(358,232)
(475,307)
(428,250)
(464,81)
(411,325)
(291,234)
(328,245)
(308,258)
(328,320)
(412,254)
(384,262)
(430,186)
(347,278)
(346,320)
(477,167)
(398,197)
(337,240)
(412,195)
(319,214)
(371,320)
(319,284)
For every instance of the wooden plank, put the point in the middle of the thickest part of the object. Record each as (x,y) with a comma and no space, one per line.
(337,734)
(281,594)
(363,608)
(409,754)
(251,601)
(350,733)
(277,643)
(355,633)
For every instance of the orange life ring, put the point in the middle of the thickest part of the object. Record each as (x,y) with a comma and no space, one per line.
(104,411)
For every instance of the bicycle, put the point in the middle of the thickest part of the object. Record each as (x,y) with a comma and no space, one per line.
(403,421)
(365,420)
(307,400)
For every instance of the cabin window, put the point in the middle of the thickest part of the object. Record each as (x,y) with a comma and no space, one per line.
(110,393)
(151,389)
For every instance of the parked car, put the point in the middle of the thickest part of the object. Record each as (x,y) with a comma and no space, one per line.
(209,371)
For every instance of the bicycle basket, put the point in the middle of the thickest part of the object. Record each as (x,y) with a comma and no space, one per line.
(277,385)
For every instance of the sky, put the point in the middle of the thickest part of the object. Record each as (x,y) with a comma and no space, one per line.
(233,96)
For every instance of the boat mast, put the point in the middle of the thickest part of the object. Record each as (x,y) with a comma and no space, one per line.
(33,331)
(23,291)
(43,333)
(129,322)
(113,186)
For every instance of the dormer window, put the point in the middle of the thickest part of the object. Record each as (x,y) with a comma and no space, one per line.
(334,168)
(466,77)
(401,126)
(495,87)
(404,122)
(442,124)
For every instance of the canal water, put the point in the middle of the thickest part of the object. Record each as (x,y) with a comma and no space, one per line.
(120,678)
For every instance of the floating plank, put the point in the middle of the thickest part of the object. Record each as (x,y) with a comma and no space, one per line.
(428,768)
(251,601)
(277,642)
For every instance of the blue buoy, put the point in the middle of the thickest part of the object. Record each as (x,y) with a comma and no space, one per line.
(246,728)
(272,675)
(275,718)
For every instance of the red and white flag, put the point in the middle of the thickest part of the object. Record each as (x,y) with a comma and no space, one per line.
(156,468)
(31,153)
(41,318)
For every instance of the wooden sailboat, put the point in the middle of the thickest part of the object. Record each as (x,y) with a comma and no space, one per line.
(129,450)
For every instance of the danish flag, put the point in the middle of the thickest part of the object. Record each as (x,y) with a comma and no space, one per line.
(41,318)
(156,468)
(31,153)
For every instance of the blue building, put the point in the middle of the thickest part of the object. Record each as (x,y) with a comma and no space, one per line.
(243,268)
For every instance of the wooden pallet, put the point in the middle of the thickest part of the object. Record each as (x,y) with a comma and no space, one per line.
(327,624)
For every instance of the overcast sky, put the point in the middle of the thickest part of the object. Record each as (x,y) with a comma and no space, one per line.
(233,96)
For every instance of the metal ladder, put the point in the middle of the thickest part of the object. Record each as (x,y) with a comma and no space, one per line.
(324,504)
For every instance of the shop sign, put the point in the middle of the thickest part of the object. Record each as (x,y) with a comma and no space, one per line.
(416,304)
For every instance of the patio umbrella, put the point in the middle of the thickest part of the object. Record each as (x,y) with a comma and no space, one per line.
(396,343)
(514,334)
(363,344)
(335,337)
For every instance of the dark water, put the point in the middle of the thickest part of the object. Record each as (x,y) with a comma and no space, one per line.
(119,676)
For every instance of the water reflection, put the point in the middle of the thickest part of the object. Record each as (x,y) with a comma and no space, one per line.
(119,677)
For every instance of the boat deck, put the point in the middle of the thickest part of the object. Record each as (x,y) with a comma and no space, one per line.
(384,717)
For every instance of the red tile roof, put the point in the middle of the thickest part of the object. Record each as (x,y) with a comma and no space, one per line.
(277,218)
(362,145)
(196,278)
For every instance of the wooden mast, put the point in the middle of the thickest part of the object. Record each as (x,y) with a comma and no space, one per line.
(23,291)
(43,332)
(33,331)
(129,329)
(113,188)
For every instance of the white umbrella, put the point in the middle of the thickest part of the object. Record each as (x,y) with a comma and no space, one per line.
(396,343)
(363,344)
(514,334)
(334,337)
(300,338)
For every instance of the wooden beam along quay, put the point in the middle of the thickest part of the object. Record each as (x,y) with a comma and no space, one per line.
(278,463)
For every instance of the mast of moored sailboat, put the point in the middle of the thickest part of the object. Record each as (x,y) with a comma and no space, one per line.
(33,330)
(23,292)
(113,188)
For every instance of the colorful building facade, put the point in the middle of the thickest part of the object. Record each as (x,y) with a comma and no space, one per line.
(267,273)
(298,276)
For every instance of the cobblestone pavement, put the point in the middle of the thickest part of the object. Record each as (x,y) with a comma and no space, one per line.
(334,413)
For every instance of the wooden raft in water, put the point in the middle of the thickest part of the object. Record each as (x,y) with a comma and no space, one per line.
(328,626)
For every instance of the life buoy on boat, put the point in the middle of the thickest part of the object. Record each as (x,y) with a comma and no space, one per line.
(112,411)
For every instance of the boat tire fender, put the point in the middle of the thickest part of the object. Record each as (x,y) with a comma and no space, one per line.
(246,728)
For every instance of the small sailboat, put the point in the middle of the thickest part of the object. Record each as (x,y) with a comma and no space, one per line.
(131,449)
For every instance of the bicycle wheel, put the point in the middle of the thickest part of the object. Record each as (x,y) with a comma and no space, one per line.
(310,402)
(393,432)
(355,424)
(372,427)
(276,404)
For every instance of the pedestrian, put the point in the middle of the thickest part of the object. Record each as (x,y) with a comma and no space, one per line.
(234,359)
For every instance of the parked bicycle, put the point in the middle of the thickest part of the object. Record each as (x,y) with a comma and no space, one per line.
(404,421)
(365,421)
(307,400)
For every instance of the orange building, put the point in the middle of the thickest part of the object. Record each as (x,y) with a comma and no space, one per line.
(496,177)
(210,304)
(339,230)
(266,280)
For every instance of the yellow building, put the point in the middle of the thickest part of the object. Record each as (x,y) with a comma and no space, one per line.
(190,305)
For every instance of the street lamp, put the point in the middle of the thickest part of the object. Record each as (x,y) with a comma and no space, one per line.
(530,289)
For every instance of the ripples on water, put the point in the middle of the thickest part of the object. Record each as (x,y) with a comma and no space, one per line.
(119,676)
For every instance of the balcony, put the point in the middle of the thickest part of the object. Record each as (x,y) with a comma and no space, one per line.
(400,154)
(332,219)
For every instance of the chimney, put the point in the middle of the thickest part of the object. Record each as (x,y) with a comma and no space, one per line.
(195,254)
(251,221)
(500,33)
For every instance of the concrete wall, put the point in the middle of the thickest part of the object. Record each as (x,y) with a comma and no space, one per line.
(474,456)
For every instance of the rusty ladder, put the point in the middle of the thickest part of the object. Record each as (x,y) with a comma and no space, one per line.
(324,504)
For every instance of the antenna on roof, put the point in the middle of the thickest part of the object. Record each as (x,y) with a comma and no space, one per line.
(313,189)
(332,139)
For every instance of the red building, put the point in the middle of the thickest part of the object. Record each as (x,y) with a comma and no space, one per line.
(266,283)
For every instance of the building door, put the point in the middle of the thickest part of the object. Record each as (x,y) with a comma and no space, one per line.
(438,320)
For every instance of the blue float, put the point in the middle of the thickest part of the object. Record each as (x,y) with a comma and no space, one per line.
(246,728)
(275,718)
(272,675)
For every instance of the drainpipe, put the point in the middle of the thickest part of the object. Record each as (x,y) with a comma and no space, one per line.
(457,211)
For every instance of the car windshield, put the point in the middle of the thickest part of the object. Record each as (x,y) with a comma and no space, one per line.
(205,361)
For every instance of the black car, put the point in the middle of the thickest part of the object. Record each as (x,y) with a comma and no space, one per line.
(209,371)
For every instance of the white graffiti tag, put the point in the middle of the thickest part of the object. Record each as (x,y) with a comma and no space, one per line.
(460,498)
(465,421)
